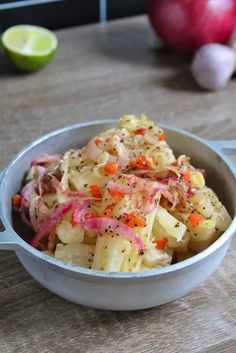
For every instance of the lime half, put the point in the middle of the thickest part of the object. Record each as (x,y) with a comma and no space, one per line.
(29,47)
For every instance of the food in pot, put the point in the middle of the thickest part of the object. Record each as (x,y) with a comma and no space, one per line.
(122,203)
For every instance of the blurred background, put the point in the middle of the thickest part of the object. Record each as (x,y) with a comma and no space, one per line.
(55,14)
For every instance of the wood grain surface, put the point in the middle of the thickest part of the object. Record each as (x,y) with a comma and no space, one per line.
(103,72)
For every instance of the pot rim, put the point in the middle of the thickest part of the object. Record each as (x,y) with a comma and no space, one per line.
(20,243)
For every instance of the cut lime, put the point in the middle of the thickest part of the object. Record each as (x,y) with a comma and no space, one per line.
(29,47)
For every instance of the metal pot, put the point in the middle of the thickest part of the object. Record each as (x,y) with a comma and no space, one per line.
(121,291)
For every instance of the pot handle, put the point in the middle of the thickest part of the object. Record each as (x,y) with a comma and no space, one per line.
(7,239)
(227,148)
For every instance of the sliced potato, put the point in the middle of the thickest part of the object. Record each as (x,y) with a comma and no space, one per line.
(197,179)
(110,252)
(202,203)
(146,232)
(223,219)
(68,234)
(208,204)
(182,246)
(87,176)
(156,258)
(167,225)
(203,231)
(132,260)
(76,253)
(202,245)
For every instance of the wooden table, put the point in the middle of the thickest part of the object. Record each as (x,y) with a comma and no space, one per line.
(103,72)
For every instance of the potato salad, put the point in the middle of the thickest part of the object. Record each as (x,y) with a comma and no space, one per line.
(122,203)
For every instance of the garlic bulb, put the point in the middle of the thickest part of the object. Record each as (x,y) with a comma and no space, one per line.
(213,66)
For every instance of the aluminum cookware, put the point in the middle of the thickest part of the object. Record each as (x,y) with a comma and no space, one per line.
(121,291)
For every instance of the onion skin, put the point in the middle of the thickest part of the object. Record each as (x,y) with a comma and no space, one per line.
(186,25)
(213,66)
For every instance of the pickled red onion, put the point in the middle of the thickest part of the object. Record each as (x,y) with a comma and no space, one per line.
(53,220)
(38,211)
(104,224)
(28,192)
(79,212)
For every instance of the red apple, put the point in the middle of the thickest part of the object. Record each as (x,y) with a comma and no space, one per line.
(186,25)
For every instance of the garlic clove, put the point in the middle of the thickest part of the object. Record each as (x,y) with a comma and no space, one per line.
(213,65)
